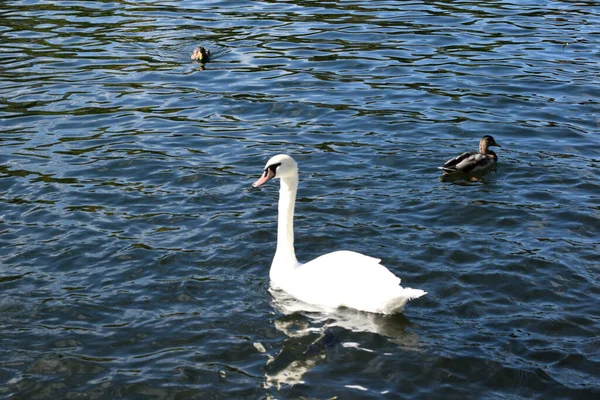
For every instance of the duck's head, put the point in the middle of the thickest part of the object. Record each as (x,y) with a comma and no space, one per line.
(279,166)
(486,142)
(200,54)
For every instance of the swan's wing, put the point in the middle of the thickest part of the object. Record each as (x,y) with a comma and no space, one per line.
(349,279)
(348,267)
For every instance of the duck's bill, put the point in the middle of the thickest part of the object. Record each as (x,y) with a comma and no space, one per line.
(266,176)
(497,144)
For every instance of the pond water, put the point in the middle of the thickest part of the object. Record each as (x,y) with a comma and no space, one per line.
(134,253)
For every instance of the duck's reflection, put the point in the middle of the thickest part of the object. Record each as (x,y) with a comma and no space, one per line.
(467,179)
(312,332)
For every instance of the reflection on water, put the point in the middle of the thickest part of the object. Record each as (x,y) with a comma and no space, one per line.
(391,326)
(134,258)
(467,179)
(312,333)
(297,355)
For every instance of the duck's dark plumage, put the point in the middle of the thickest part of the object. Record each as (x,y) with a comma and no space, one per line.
(474,162)
(200,54)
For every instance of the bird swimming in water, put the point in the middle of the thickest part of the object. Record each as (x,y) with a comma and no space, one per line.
(200,54)
(337,279)
(474,162)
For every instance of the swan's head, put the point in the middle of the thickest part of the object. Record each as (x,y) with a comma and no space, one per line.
(279,166)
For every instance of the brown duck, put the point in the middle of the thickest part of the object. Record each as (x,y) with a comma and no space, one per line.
(200,54)
(474,162)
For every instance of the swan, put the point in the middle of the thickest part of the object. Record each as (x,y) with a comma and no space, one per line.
(474,162)
(338,279)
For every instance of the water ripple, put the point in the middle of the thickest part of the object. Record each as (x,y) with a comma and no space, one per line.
(134,253)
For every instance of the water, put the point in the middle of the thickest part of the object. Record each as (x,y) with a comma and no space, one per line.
(134,253)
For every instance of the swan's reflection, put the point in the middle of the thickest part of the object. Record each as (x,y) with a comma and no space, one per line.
(311,331)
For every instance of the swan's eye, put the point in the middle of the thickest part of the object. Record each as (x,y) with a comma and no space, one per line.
(273,168)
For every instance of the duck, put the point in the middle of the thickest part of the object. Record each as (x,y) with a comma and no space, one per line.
(201,54)
(335,280)
(474,162)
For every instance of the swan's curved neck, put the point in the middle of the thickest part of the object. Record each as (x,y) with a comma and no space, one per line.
(285,256)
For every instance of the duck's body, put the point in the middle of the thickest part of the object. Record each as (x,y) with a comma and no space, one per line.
(474,162)
(201,55)
(338,279)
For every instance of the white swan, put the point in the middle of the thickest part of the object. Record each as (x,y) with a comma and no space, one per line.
(338,279)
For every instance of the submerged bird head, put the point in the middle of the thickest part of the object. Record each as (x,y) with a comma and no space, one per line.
(279,166)
(200,54)
(486,142)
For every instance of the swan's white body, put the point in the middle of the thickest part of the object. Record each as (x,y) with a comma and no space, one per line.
(338,279)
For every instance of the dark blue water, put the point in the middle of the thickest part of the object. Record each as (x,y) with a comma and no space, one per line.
(134,254)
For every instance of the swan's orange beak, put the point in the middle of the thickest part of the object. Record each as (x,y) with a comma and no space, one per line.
(266,176)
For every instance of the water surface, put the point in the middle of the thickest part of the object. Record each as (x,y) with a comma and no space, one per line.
(134,253)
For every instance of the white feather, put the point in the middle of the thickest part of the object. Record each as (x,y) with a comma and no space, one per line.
(338,279)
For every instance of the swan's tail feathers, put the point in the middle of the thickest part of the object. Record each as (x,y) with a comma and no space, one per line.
(413,293)
(397,303)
